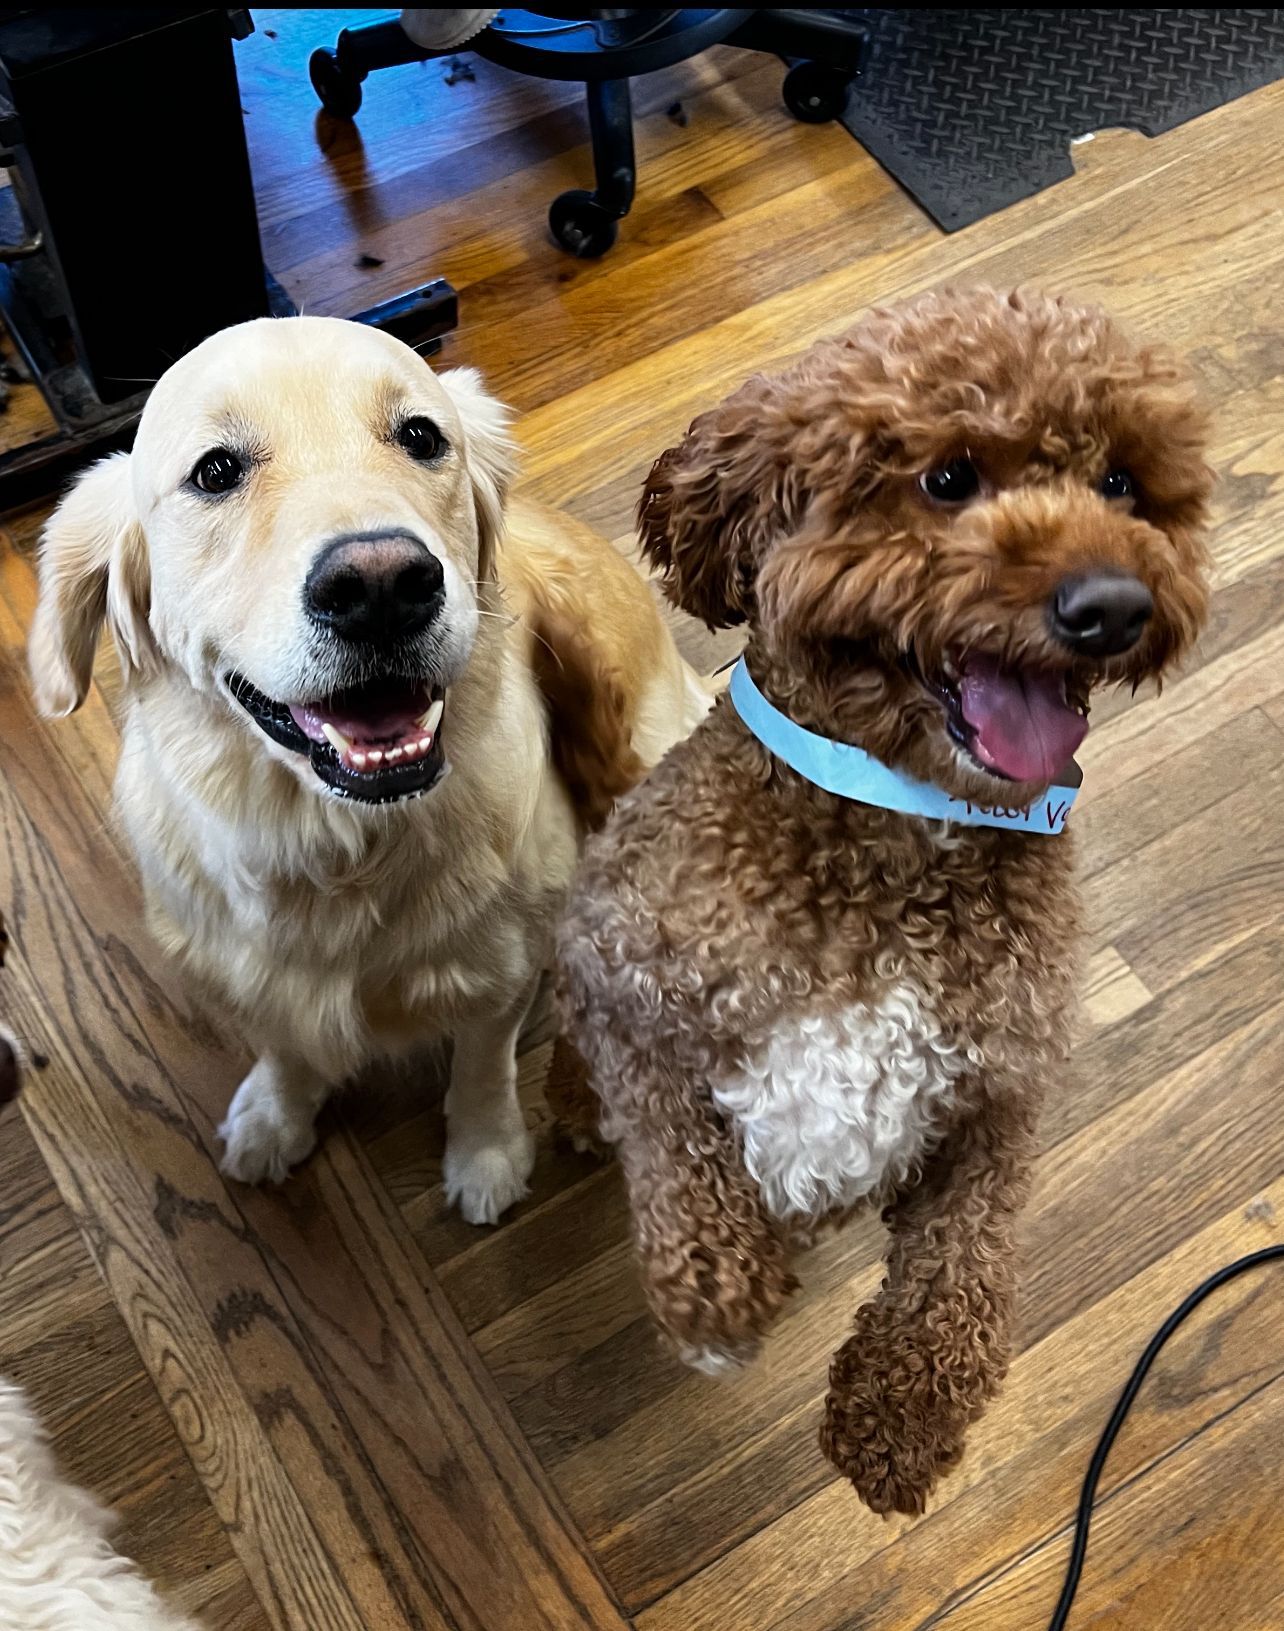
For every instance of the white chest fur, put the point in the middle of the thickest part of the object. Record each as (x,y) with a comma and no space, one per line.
(831,1106)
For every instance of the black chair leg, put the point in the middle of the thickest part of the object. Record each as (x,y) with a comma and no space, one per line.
(337,72)
(585,222)
(611,123)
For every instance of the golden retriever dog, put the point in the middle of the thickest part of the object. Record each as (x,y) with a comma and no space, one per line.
(355,808)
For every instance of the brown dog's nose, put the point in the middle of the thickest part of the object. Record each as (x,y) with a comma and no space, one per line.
(375,587)
(1100,614)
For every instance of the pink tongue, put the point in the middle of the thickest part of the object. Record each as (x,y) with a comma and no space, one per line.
(1022,725)
(367,717)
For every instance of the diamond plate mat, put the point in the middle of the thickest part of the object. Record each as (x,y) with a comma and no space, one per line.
(973,110)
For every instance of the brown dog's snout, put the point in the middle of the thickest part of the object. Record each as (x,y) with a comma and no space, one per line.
(375,587)
(1100,614)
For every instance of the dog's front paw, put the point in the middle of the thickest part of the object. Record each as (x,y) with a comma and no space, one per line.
(485,1179)
(892,1442)
(718,1362)
(262,1138)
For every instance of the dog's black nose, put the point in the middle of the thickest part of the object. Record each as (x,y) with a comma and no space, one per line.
(375,587)
(1100,614)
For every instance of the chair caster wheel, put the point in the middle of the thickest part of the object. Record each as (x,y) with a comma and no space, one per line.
(815,94)
(339,93)
(581,225)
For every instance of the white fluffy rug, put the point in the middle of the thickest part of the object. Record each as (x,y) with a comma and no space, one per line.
(57,1569)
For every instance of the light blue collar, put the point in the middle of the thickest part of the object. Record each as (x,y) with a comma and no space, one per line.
(852,773)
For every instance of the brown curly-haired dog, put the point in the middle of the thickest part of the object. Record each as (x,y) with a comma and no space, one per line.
(945,528)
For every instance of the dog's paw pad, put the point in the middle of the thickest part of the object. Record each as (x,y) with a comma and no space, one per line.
(484,1182)
(261,1147)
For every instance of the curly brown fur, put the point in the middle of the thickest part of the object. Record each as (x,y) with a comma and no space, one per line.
(931,1350)
(771,985)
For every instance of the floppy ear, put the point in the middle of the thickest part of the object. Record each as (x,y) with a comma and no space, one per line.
(713,504)
(589,715)
(93,569)
(491,454)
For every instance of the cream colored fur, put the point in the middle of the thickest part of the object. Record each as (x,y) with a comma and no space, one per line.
(58,1571)
(340,932)
(840,1103)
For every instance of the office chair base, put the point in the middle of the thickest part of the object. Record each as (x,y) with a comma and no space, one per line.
(605,49)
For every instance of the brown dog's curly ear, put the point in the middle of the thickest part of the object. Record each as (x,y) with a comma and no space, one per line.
(712,504)
(93,569)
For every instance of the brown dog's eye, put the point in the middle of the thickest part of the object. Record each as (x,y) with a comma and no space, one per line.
(218,471)
(1118,484)
(952,483)
(421,439)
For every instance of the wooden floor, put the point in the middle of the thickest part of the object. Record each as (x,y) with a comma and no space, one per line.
(338,1407)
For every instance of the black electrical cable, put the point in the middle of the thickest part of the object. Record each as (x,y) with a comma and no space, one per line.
(1104,1445)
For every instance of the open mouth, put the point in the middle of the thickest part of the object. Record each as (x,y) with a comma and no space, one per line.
(373,743)
(1019,724)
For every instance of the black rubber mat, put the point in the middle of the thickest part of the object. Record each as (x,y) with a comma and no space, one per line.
(973,110)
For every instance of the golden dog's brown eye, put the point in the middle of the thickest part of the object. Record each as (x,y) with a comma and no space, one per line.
(1118,484)
(952,483)
(421,439)
(219,471)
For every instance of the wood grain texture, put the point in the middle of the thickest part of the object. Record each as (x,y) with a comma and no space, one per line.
(337,1406)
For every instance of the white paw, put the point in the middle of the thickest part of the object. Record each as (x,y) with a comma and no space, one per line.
(485,1179)
(261,1140)
(718,1362)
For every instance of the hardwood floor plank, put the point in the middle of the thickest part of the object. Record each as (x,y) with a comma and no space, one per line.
(576,1314)
(647,1473)
(1174,1544)
(572,1230)
(831,1564)
(1094,235)
(1202,910)
(1111,989)
(1113,1063)
(597,326)
(1116,820)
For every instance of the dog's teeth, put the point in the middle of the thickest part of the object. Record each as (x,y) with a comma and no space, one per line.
(357,759)
(410,750)
(392,755)
(432,718)
(337,740)
(425,744)
(375,756)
